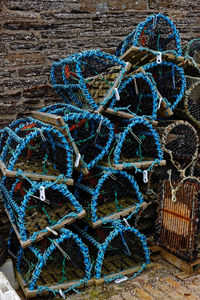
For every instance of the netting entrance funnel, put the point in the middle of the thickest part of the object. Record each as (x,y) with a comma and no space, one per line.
(89,77)
(138,145)
(107,194)
(37,148)
(138,96)
(158,33)
(37,208)
(55,265)
(170,81)
(117,250)
(92,133)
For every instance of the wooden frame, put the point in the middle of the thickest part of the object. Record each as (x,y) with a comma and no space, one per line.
(115,216)
(59,123)
(33,176)
(40,236)
(129,271)
(34,293)
(101,107)
(138,57)
(126,115)
(142,164)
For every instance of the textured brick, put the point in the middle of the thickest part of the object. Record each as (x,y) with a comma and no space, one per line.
(21,83)
(19,59)
(34,71)
(32,46)
(38,5)
(14,15)
(178,4)
(28,36)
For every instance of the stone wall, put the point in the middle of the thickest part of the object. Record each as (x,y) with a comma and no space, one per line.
(36,33)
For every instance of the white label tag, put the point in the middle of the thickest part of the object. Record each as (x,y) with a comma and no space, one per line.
(77,161)
(121,279)
(159,103)
(117,94)
(126,222)
(62,294)
(159,58)
(42,193)
(52,231)
(145,176)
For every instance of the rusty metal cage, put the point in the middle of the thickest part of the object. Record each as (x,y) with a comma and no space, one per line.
(179,219)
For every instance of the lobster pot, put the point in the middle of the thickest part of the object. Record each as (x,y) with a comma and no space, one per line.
(66,83)
(158,33)
(192,103)
(106,193)
(138,145)
(92,133)
(55,264)
(117,249)
(179,141)
(89,77)
(191,52)
(179,219)
(37,148)
(137,96)
(170,81)
(36,208)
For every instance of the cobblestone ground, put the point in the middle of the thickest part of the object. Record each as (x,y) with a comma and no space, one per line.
(158,282)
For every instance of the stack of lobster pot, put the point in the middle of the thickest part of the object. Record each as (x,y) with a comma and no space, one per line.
(108,153)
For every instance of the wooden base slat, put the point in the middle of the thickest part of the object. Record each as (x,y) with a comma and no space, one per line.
(115,216)
(129,271)
(62,286)
(40,236)
(142,164)
(188,269)
(34,176)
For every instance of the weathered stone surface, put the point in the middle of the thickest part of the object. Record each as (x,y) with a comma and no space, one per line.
(178,4)
(19,59)
(32,46)
(36,33)
(28,36)
(39,5)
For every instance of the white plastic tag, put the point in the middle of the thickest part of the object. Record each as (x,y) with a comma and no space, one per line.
(51,230)
(62,294)
(159,58)
(121,279)
(117,94)
(42,193)
(145,176)
(159,103)
(78,157)
(126,222)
